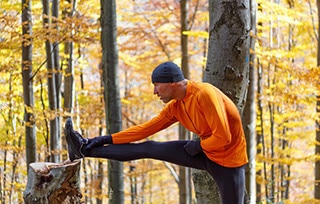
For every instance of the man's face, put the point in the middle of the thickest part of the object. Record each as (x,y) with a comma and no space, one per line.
(164,91)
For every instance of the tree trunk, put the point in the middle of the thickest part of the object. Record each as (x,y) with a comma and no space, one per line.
(53,183)
(317,148)
(249,115)
(185,195)
(27,76)
(249,127)
(229,48)
(57,77)
(227,62)
(317,152)
(207,191)
(52,94)
(68,67)
(260,135)
(111,93)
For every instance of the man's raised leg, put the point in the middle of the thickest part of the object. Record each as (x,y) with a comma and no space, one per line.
(171,151)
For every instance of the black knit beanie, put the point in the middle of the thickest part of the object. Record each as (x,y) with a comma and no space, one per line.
(167,72)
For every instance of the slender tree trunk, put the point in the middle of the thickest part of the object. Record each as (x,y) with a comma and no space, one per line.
(317,148)
(317,152)
(249,126)
(68,69)
(249,115)
(56,58)
(284,183)
(111,93)
(7,198)
(57,73)
(260,139)
(259,116)
(68,66)
(272,109)
(185,195)
(27,81)
(101,174)
(184,38)
(54,129)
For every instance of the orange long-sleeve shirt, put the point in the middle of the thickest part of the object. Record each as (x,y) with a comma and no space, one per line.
(207,112)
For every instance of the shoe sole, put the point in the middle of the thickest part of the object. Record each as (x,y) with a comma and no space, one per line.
(73,141)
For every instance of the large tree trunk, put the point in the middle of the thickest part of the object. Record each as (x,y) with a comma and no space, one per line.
(111,93)
(207,191)
(229,48)
(51,183)
(227,62)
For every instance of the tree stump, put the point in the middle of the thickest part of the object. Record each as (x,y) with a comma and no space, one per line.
(51,183)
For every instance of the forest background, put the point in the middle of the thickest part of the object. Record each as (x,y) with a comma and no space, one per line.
(148,34)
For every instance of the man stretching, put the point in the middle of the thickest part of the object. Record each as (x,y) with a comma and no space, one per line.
(201,108)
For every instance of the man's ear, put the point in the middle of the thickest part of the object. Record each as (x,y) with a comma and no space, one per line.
(174,84)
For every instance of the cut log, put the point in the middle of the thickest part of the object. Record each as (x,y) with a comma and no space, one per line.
(53,183)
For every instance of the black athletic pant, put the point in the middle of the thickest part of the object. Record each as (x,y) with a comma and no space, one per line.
(231,181)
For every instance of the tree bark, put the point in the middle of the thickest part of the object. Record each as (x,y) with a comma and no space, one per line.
(229,48)
(249,115)
(68,67)
(27,76)
(57,77)
(207,191)
(227,64)
(111,93)
(52,92)
(260,135)
(53,183)
(317,152)
(185,195)
(249,127)
(317,146)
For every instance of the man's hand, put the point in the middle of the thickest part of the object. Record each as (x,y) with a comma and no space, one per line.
(99,141)
(193,147)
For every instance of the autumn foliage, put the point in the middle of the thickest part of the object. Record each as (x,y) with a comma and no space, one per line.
(148,34)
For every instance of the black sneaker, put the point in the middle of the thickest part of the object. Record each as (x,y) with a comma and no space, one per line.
(74,140)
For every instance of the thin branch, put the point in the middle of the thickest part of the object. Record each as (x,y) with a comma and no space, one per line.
(44,62)
(173,172)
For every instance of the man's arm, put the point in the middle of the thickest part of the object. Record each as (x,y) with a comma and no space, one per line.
(144,130)
(216,117)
